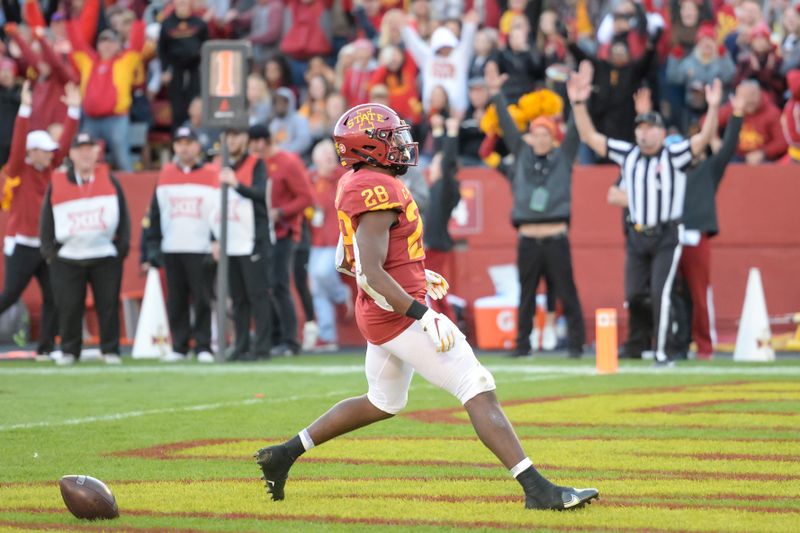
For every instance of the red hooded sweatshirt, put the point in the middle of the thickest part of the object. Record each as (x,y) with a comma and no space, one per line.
(760,130)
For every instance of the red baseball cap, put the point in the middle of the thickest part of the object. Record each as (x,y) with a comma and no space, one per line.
(705,31)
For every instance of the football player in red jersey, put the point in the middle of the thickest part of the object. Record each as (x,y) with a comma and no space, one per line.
(381,246)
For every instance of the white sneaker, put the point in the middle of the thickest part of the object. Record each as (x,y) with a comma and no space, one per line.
(205,357)
(66,360)
(44,358)
(310,336)
(536,335)
(549,338)
(173,357)
(112,359)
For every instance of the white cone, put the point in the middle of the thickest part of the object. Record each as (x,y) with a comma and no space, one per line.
(753,338)
(152,332)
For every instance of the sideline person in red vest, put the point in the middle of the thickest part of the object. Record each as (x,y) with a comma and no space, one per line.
(179,237)
(85,233)
(249,235)
(34,155)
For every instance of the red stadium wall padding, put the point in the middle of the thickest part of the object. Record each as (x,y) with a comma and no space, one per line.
(759,216)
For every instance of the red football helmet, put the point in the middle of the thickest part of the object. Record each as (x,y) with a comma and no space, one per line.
(374,134)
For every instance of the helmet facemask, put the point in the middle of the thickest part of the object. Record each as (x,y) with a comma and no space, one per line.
(402,150)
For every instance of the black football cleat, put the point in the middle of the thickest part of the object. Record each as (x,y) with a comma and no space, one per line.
(275,464)
(566,499)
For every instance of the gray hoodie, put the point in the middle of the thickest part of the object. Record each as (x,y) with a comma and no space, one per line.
(291,132)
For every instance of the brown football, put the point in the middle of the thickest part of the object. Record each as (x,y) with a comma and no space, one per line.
(88,498)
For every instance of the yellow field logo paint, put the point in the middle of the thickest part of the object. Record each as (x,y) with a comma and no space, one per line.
(757,406)
(689,476)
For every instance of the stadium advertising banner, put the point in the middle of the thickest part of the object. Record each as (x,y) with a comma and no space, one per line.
(224,71)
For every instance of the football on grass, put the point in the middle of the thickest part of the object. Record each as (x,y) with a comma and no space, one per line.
(88,498)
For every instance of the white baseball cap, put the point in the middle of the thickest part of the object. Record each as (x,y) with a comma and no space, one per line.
(40,140)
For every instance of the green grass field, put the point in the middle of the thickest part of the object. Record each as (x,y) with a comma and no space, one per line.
(703,447)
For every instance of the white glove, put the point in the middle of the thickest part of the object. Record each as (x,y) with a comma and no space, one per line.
(440,329)
(435,284)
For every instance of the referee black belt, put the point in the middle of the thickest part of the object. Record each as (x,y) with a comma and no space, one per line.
(652,231)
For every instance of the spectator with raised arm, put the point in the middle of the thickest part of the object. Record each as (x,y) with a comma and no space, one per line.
(34,156)
(616,79)
(445,62)
(50,71)
(107,78)
(541,183)
(761,139)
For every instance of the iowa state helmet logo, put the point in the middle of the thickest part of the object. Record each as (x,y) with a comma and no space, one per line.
(365,119)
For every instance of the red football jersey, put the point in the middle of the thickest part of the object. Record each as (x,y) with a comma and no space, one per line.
(363,191)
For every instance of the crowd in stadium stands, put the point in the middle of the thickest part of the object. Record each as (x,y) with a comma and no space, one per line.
(137,64)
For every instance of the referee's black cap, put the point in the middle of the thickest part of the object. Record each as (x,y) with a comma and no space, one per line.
(653,118)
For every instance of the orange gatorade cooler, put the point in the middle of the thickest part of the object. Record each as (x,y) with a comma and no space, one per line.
(496,327)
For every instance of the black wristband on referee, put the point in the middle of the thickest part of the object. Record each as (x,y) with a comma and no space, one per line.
(416,310)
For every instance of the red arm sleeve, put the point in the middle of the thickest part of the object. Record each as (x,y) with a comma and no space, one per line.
(137,36)
(87,20)
(29,57)
(33,14)
(76,38)
(62,68)
(302,192)
(16,157)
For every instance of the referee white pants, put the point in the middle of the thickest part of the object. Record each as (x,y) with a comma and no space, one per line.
(390,366)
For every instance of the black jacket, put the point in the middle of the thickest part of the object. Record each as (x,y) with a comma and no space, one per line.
(612,107)
(47,230)
(180,41)
(530,172)
(703,180)
(444,197)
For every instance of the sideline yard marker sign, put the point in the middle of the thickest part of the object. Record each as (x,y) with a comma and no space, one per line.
(223,75)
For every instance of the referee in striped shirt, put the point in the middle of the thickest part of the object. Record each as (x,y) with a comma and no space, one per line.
(654,179)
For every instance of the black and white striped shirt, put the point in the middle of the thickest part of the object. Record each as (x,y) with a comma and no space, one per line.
(656,185)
